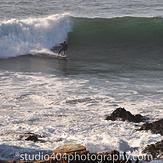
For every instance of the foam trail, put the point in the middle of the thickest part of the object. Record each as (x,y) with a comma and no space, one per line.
(43,53)
(20,37)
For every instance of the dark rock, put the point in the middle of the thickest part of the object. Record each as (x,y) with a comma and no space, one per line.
(123,115)
(156,127)
(156,150)
(32,138)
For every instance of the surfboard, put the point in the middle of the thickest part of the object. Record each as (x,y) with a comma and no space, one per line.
(62,56)
(48,53)
(59,56)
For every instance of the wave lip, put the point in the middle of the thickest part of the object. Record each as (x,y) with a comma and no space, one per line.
(20,37)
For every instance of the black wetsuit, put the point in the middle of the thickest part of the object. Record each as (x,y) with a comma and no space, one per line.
(64,48)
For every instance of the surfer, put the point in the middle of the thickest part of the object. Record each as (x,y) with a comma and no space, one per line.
(64,48)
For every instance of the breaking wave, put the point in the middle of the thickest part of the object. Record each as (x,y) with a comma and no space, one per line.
(21,37)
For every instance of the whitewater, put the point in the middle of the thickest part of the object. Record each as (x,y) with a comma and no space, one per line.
(114,60)
(71,110)
(26,36)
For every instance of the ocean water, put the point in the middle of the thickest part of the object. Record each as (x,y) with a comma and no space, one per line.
(114,60)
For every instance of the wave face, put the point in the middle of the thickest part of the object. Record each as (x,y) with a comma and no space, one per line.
(124,30)
(34,35)
(20,37)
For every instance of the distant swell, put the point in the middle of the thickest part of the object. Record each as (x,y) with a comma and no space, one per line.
(20,37)
(125,30)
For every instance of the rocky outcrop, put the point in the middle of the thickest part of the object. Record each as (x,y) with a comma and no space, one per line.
(155,127)
(34,137)
(123,115)
(68,151)
(65,153)
(156,150)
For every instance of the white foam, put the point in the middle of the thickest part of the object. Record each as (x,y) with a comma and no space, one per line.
(50,106)
(20,37)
